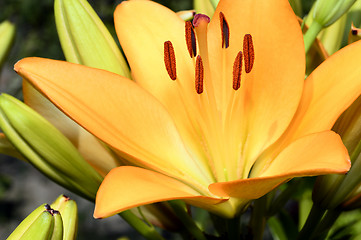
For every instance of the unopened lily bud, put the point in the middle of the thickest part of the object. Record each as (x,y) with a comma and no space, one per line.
(85,39)
(327,12)
(335,36)
(69,212)
(46,148)
(7,34)
(37,225)
(323,14)
(205,7)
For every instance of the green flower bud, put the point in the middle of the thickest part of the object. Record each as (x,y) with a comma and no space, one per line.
(85,39)
(323,14)
(46,148)
(204,6)
(7,34)
(327,12)
(69,212)
(37,225)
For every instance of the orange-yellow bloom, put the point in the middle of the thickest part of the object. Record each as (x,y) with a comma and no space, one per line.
(217,115)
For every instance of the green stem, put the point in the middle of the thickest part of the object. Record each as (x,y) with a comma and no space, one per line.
(258,219)
(233,228)
(284,196)
(325,225)
(148,232)
(311,35)
(180,209)
(312,222)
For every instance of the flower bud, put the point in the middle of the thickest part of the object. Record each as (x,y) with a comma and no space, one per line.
(46,148)
(205,7)
(327,12)
(69,212)
(85,39)
(7,34)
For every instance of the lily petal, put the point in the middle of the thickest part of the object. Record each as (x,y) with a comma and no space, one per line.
(133,21)
(270,93)
(89,146)
(329,91)
(105,111)
(127,187)
(315,154)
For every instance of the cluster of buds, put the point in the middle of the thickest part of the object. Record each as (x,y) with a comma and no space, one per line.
(57,221)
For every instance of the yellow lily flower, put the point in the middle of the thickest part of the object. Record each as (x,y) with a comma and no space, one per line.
(215,125)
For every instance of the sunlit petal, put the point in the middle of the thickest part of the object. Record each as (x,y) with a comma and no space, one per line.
(90,147)
(329,91)
(270,93)
(123,115)
(315,154)
(132,187)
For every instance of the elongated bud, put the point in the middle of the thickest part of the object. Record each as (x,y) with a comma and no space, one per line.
(69,212)
(58,228)
(327,12)
(204,6)
(37,225)
(46,148)
(85,39)
(7,34)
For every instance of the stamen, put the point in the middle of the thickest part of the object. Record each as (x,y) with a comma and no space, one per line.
(225,30)
(237,70)
(169,60)
(248,52)
(191,40)
(199,75)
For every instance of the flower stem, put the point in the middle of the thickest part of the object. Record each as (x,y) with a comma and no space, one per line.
(233,228)
(148,232)
(312,222)
(311,35)
(284,196)
(180,209)
(258,219)
(325,225)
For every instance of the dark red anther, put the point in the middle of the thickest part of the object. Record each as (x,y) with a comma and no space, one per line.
(199,75)
(169,60)
(237,71)
(248,52)
(191,40)
(224,30)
